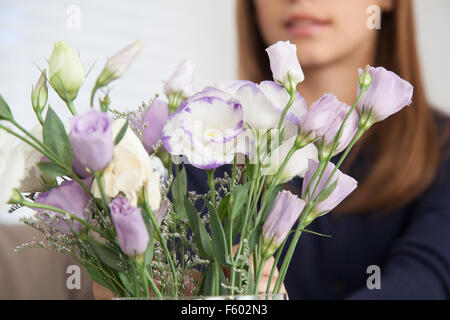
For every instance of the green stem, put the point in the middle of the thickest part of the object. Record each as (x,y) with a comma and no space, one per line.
(258,274)
(293,244)
(71,107)
(292,94)
(98,178)
(217,278)
(163,244)
(274,267)
(212,186)
(70,215)
(153,285)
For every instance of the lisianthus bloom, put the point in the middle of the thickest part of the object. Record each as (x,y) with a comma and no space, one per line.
(262,104)
(297,164)
(12,167)
(70,197)
(92,140)
(119,63)
(345,185)
(152,123)
(130,227)
(285,212)
(324,119)
(208,131)
(34,180)
(181,81)
(66,72)
(130,169)
(387,94)
(284,64)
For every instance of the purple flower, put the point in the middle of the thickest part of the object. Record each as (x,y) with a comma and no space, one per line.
(70,197)
(284,64)
(92,139)
(154,120)
(387,94)
(324,119)
(285,212)
(130,227)
(345,186)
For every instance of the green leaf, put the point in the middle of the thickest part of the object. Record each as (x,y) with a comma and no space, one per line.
(5,111)
(222,209)
(223,279)
(218,238)
(324,194)
(52,169)
(254,238)
(179,191)
(126,283)
(56,138)
(208,283)
(121,133)
(201,236)
(148,255)
(107,255)
(98,277)
(238,199)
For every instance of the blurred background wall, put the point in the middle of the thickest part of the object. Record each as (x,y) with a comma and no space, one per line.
(172,30)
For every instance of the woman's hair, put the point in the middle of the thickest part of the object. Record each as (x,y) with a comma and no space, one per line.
(405,146)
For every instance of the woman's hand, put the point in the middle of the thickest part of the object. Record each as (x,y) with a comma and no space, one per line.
(101,293)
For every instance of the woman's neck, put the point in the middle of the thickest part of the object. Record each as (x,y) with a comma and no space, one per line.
(338,77)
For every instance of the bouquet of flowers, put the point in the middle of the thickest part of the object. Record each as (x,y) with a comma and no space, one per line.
(110,189)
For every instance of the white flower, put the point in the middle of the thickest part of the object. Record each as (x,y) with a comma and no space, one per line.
(12,166)
(209,131)
(66,72)
(119,63)
(284,64)
(34,179)
(181,81)
(130,170)
(297,164)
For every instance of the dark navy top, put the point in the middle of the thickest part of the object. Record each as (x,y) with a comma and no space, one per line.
(411,247)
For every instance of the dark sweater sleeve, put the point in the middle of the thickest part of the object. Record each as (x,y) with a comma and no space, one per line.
(418,266)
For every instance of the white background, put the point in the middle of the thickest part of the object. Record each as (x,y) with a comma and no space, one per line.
(172,30)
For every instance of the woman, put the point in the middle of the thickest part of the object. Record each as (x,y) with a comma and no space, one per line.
(396,227)
(399,217)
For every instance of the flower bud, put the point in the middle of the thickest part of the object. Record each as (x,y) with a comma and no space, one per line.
(92,139)
(365,79)
(323,120)
(387,94)
(39,94)
(118,64)
(334,194)
(152,123)
(285,212)
(284,64)
(66,72)
(130,227)
(179,86)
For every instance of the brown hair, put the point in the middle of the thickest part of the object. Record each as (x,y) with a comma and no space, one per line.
(405,146)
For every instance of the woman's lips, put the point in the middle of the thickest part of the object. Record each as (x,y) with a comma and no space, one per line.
(305,26)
